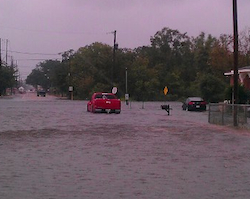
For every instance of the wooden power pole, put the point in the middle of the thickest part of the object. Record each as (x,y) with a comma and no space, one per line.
(236,95)
(0,53)
(114,50)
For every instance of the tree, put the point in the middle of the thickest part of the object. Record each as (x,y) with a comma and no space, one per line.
(212,88)
(145,80)
(168,46)
(45,74)
(202,47)
(172,56)
(244,94)
(7,78)
(187,66)
(91,65)
(244,47)
(221,56)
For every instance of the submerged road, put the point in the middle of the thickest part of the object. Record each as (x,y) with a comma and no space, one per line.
(52,148)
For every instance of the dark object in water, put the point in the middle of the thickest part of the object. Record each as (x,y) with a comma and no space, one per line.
(166,108)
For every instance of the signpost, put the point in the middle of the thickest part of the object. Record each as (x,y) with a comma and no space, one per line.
(126,78)
(166,107)
(71,92)
(126,96)
(114,90)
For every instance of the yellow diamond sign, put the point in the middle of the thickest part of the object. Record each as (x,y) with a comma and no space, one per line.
(165,90)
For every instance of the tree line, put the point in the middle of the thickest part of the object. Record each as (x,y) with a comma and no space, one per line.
(188,66)
(8,77)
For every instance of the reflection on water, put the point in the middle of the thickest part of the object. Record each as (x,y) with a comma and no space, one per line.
(55,149)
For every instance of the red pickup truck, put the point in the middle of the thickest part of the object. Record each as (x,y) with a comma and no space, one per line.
(104,102)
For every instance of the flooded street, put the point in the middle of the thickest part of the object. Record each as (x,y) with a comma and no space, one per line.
(51,148)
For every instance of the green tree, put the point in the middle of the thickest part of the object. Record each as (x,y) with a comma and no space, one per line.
(244,94)
(187,66)
(172,56)
(45,74)
(212,88)
(221,56)
(7,78)
(202,47)
(244,47)
(145,80)
(91,65)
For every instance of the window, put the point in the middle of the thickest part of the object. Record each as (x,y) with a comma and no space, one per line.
(110,96)
(98,96)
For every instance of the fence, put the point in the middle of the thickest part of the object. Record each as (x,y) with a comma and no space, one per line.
(223,114)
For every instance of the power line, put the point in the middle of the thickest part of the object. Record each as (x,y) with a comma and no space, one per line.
(29,53)
(38,59)
(54,32)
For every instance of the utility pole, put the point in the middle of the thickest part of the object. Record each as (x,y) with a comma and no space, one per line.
(6,52)
(0,53)
(114,50)
(16,74)
(236,98)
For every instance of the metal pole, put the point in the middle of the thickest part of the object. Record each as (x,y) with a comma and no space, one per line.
(126,95)
(126,80)
(235,23)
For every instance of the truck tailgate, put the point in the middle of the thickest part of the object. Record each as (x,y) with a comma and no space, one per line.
(108,103)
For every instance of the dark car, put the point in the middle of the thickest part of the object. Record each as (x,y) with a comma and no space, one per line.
(194,104)
(41,93)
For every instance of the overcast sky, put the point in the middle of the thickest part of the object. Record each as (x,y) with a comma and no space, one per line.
(54,26)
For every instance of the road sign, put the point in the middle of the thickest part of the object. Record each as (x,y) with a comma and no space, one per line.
(165,90)
(126,96)
(114,90)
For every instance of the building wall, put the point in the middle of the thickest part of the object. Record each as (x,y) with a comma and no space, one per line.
(246,82)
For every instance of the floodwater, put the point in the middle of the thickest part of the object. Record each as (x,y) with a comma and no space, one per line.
(52,148)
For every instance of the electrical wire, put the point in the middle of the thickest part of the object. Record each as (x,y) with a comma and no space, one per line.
(38,59)
(29,53)
(54,32)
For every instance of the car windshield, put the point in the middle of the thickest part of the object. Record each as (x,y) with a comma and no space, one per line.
(104,96)
(110,96)
(195,99)
(98,96)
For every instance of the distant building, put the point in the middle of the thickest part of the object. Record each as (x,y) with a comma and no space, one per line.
(244,76)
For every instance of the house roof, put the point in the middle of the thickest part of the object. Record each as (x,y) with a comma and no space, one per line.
(245,69)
